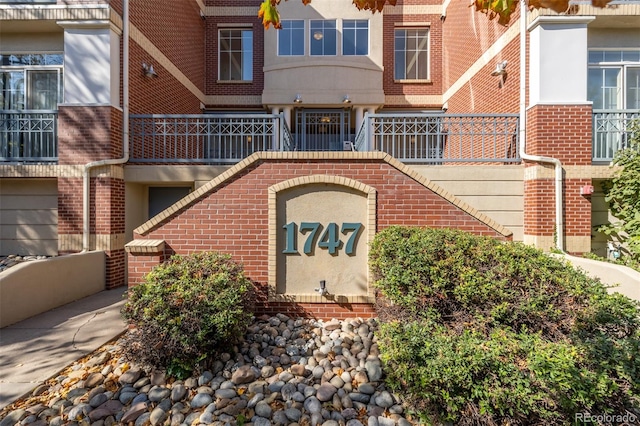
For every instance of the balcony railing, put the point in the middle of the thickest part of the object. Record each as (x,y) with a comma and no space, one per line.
(440,138)
(29,136)
(611,132)
(417,138)
(206,138)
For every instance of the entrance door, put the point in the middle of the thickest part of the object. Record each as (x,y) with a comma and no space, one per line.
(322,130)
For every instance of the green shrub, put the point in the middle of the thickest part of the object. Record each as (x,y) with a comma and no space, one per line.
(478,331)
(188,308)
(622,193)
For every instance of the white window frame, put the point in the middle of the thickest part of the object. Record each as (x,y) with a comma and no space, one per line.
(623,66)
(280,32)
(26,70)
(356,38)
(337,34)
(416,27)
(242,69)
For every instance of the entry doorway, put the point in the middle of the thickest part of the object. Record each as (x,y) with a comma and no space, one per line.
(322,129)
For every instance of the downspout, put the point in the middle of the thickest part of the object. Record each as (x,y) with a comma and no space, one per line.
(523,129)
(86,188)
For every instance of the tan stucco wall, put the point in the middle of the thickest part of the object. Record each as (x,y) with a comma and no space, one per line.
(358,76)
(32,42)
(31,288)
(613,38)
(29,216)
(300,274)
(497,191)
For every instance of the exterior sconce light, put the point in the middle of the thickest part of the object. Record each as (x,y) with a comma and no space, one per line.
(346,99)
(148,70)
(298,99)
(501,69)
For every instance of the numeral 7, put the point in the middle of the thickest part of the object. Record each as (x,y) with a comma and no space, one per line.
(346,227)
(311,239)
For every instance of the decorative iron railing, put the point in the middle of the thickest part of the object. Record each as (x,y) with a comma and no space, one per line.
(438,138)
(28,136)
(206,138)
(611,132)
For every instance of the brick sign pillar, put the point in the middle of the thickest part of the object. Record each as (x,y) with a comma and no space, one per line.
(559,125)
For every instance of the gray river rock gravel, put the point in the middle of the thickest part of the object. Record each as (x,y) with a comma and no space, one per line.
(286,372)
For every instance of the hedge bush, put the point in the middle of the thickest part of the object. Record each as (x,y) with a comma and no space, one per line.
(187,309)
(478,331)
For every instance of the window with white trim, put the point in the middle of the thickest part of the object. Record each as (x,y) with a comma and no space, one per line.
(355,37)
(235,55)
(31,81)
(323,37)
(411,54)
(291,38)
(613,81)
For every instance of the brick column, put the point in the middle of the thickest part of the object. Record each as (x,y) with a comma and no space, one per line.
(86,134)
(562,132)
(559,126)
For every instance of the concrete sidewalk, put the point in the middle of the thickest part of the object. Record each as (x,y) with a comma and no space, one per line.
(34,350)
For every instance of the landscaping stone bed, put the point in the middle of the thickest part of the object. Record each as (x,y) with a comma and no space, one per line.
(286,372)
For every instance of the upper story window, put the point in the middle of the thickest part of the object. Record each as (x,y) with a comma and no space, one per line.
(235,55)
(614,79)
(355,37)
(411,54)
(291,38)
(31,81)
(323,37)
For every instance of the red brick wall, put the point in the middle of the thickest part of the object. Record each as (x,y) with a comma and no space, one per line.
(115,268)
(162,95)
(539,207)
(577,208)
(434,87)
(561,131)
(234,219)
(70,206)
(106,205)
(213,87)
(467,35)
(88,134)
(139,265)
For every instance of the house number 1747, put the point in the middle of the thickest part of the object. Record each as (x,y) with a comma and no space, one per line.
(325,237)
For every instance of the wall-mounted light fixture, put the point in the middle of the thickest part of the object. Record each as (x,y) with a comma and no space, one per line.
(346,99)
(501,69)
(298,99)
(249,139)
(148,70)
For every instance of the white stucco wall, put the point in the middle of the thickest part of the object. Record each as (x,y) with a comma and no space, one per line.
(558,60)
(91,60)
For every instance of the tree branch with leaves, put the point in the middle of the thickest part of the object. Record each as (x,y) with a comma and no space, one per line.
(501,9)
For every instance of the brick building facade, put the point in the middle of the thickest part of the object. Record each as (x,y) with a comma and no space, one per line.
(458,99)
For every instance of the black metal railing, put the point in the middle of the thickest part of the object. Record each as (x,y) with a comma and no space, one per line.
(28,136)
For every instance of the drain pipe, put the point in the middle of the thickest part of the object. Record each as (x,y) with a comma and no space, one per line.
(86,188)
(523,131)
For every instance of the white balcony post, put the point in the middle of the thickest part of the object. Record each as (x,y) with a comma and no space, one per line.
(277,134)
